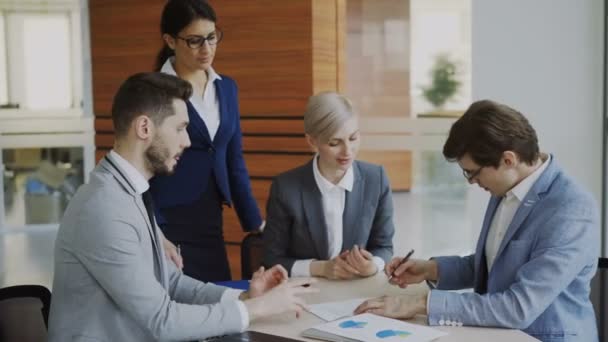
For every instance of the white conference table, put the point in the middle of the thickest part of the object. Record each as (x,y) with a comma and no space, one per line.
(289,326)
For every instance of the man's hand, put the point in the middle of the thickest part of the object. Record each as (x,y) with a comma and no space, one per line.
(280,299)
(401,307)
(362,261)
(264,280)
(412,271)
(171,253)
(336,268)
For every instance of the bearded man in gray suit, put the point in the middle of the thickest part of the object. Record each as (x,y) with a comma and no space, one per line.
(113,281)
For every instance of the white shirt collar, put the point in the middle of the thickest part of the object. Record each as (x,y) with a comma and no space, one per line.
(521,190)
(135,177)
(168,68)
(325,186)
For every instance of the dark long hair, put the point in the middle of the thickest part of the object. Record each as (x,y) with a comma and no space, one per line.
(178,14)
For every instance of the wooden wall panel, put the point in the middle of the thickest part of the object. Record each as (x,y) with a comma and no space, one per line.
(272,127)
(397,164)
(125,38)
(232,228)
(274,144)
(267,48)
(324,44)
(269,165)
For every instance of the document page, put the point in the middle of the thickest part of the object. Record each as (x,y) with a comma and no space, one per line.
(372,328)
(332,311)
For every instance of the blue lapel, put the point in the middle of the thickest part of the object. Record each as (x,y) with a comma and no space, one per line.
(529,202)
(223,101)
(352,209)
(197,127)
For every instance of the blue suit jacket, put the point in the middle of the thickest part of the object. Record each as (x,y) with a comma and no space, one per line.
(540,278)
(222,158)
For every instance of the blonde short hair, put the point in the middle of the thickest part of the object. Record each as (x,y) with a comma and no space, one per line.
(325,113)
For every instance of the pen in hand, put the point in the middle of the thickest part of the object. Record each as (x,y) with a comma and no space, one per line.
(406,258)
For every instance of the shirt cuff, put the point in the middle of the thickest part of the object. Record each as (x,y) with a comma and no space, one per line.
(379,263)
(244,315)
(301,268)
(230,295)
(233,295)
(428,304)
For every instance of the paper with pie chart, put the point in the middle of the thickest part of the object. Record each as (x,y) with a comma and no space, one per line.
(368,327)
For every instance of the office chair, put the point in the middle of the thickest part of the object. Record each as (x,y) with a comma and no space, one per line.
(24,313)
(252,254)
(599,297)
(602,263)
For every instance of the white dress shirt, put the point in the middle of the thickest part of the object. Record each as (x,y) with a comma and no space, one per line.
(141,185)
(506,211)
(208,106)
(334,199)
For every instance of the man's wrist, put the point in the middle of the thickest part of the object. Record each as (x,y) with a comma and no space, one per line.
(373,269)
(431,271)
(421,305)
(317,268)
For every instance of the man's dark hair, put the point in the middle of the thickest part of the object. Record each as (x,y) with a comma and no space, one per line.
(486,130)
(149,93)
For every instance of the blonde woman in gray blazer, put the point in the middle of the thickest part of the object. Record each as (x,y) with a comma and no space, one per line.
(333,216)
(112,279)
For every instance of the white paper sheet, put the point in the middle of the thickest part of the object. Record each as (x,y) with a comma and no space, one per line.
(332,311)
(372,328)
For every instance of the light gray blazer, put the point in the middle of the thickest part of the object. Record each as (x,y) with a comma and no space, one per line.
(113,283)
(295,223)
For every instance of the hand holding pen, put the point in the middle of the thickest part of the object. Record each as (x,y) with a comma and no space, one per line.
(406,271)
(393,265)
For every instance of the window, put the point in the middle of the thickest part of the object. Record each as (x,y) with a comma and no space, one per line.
(39,182)
(40,59)
(46,138)
(3,78)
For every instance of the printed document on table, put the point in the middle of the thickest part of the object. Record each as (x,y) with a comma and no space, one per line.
(332,311)
(371,328)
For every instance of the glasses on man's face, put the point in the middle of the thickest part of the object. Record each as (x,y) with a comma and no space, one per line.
(195,42)
(470,175)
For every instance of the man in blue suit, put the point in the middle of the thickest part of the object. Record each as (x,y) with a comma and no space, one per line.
(538,246)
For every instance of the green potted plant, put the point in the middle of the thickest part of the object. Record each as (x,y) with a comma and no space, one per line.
(444,82)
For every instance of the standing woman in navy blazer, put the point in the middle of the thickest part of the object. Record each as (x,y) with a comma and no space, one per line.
(212,172)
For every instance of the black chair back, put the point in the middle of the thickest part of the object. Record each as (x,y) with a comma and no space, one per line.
(599,297)
(252,254)
(24,313)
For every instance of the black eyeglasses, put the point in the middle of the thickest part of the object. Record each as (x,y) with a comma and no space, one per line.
(195,42)
(469,175)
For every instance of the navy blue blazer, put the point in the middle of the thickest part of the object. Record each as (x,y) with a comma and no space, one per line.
(222,158)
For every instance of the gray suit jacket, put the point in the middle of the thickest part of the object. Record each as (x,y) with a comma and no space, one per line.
(296,227)
(112,281)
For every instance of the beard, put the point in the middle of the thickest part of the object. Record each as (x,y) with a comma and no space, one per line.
(156,158)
